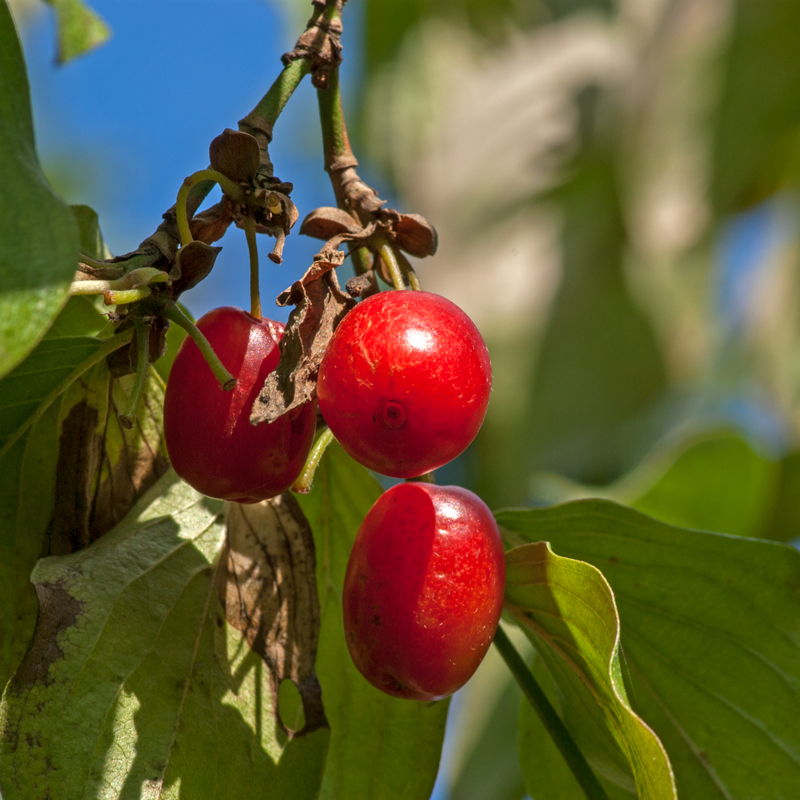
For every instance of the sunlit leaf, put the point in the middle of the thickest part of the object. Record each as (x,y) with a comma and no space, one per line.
(381,747)
(569,610)
(134,684)
(38,234)
(72,475)
(710,640)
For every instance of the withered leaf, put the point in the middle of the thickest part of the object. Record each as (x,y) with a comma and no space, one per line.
(416,235)
(103,468)
(267,586)
(235,154)
(320,306)
(327,222)
(193,263)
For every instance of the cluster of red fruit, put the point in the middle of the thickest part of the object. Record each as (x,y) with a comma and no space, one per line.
(404,387)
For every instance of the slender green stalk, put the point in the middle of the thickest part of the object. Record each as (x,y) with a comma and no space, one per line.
(362,261)
(408,270)
(389,258)
(92,262)
(231,188)
(303,484)
(274,101)
(252,246)
(427,477)
(226,380)
(550,719)
(108,347)
(127,418)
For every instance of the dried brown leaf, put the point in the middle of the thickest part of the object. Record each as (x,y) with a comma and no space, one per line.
(267,586)
(321,304)
(235,154)
(327,222)
(416,235)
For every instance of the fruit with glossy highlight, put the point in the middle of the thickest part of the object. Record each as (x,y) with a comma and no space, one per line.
(423,590)
(405,382)
(210,440)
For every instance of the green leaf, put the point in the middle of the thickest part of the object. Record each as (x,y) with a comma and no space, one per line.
(38,234)
(135,686)
(716,483)
(71,475)
(757,125)
(381,747)
(569,611)
(91,240)
(709,634)
(79,29)
(713,481)
(547,776)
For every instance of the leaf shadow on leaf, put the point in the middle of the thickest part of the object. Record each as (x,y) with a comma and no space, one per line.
(135,685)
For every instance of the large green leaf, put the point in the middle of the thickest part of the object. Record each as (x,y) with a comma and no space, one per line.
(72,475)
(79,29)
(569,610)
(381,747)
(710,635)
(38,233)
(135,686)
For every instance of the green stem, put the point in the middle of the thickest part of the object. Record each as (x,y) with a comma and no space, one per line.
(303,484)
(229,187)
(127,418)
(252,246)
(550,719)
(408,270)
(108,347)
(389,258)
(125,296)
(92,262)
(362,261)
(226,380)
(273,102)
(335,142)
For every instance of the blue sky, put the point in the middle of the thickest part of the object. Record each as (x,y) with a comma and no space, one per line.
(120,128)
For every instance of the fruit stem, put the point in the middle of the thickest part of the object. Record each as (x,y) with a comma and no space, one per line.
(226,380)
(389,257)
(229,187)
(408,270)
(108,347)
(252,246)
(362,262)
(552,722)
(128,417)
(426,477)
(304,482)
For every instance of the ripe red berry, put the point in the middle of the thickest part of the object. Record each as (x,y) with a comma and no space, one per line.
(405,382)
(423,590)
(210,440)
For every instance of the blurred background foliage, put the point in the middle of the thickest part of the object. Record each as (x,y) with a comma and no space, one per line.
(614,183)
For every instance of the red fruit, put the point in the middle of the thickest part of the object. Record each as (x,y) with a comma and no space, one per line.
(210,440)
(423,590)
(405,382)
